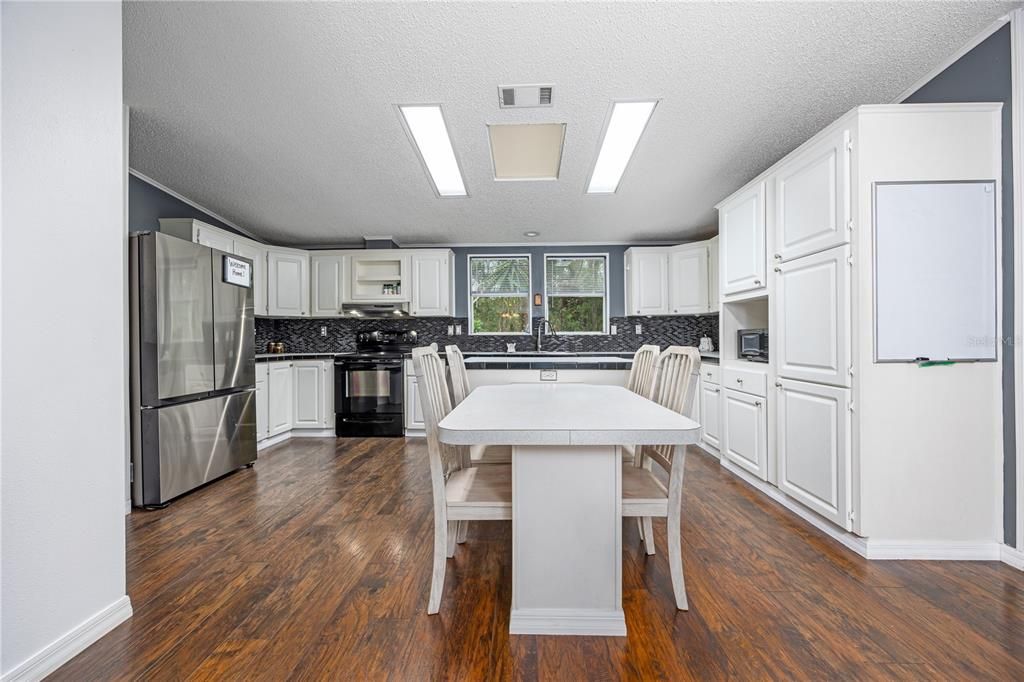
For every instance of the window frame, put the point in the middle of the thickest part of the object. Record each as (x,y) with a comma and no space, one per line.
(607,304)
(469,293)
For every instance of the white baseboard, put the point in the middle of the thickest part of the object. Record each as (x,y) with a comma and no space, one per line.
(848,540)
(926,550)
(567,622)
(1011,556)
(273,440)
(877,549)
(294,433)
(71,644)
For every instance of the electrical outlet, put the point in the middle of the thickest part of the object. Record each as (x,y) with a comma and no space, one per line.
(614,329)
(639,329)
(458,330)
(323,330)
(451,330)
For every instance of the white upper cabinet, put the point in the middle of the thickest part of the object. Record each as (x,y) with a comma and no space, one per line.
(688,277)
(647,282)
(813,447)
(379,276)
(214,238)
(288,282)
(326,283)
(745,433)
(258,255)
(714,297)
(741,230)
(812,199)
(811,338)
(432,290)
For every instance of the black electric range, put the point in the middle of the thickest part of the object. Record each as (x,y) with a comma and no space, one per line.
(369,385)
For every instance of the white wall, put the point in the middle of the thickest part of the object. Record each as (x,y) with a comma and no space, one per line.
(62,279)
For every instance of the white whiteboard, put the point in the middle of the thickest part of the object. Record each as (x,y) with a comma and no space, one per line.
(935,271)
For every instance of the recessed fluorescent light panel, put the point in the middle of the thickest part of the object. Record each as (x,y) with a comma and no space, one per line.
(430,134)
(625,126)
(526,151)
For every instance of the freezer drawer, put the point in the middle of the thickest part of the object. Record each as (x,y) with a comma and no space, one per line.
(181,447)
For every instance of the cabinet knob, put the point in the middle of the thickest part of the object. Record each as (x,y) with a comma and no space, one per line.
(778,269)
(778,257)
(757,282)
(757,403)
(778,384)
(739,381)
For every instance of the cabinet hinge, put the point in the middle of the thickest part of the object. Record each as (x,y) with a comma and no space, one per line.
(849,370)
(852,515)
(849,145)
(849,260)
(850,407)
(131,472)
(849,225)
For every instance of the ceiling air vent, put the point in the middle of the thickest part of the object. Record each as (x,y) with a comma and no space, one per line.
(522,96)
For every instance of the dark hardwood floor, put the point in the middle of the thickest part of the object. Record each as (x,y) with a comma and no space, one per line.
(316,565)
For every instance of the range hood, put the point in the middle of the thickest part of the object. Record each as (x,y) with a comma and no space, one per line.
(370,311)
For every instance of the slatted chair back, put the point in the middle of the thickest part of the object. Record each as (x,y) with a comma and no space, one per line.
(675,388)
(641,374)
(437,403)
(460,377)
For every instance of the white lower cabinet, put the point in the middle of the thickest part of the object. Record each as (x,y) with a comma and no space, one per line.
(813,432)
(413,409)
(308,393)
(279,397)
(262,405)
(711,414)
(745,434)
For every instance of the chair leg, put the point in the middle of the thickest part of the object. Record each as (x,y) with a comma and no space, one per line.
(675,558)
(453,535)
(639,526)
(648,534)
(437,577)
(463,531)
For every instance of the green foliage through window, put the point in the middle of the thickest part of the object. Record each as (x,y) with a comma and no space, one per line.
(499,294)
(576,288)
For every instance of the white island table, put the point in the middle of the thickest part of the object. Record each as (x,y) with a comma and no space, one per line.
(566,493)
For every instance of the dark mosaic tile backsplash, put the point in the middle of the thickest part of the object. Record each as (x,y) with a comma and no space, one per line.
(303,336)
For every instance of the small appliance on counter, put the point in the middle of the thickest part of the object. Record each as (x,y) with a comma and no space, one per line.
(706,345)
(275,347)
(752,344)
(369,385)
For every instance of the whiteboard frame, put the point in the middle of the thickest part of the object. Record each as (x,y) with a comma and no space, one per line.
(996,235)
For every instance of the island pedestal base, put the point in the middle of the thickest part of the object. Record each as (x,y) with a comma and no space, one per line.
(567,540)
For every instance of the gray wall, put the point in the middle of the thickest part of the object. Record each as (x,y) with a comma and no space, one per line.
(147,204)
(983,75)
(616,276)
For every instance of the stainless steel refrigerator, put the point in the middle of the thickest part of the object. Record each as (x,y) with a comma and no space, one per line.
(192,366)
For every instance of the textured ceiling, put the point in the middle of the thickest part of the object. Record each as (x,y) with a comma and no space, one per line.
(281,117)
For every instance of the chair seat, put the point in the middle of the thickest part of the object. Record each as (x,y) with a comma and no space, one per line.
(480,493)
(490,454)
(642,493)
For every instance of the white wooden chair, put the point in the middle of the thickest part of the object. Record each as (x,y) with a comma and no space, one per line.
(643,494)
(478,454)
(641,381)
(461,492)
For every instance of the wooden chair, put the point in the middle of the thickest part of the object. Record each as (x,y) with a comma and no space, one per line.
(461,492)
(643,494)
(478,454)
(641,381)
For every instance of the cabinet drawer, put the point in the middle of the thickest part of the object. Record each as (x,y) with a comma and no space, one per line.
(748,381)
(711,374)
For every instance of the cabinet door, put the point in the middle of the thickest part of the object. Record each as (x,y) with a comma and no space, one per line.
(288,283)
(413,409)
(741,240)
(713,288)
(812,309)
(745,434)
(814,449)
(326,278)
(688,274)
(328,394)
(430,285)
(262,402)
(647,282)
(258,256)
(215,239)
(711,414)
(812,199)
(308,394)
(279,392)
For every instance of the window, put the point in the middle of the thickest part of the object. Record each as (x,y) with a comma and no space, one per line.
(499,294)
(576,290)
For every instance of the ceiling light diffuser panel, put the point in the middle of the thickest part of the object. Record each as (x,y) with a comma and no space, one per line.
(625,126)
(426,126)
(526,151)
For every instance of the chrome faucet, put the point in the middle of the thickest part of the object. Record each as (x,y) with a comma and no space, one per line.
(541,324)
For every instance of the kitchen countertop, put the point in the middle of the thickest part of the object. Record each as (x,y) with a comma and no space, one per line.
(523,360)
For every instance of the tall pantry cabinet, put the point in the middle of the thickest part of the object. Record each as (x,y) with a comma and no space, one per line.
(879,449)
